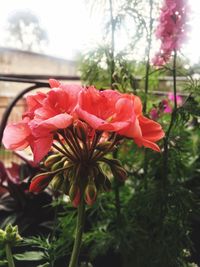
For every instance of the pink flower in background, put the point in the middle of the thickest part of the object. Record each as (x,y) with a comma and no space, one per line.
(154,114)
(165,106)
(178,98)
(172,29)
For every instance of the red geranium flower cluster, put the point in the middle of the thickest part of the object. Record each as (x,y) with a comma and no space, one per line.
(107,110)
(83,124)
(171,29)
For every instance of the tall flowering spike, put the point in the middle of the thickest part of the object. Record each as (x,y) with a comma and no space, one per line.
(171,30)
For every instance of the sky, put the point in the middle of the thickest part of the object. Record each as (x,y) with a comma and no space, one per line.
(71,28)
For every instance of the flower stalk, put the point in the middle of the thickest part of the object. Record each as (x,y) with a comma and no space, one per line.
(172,121)
(146,87)
(9,255)
(148,50)
(78,233)
(9,238)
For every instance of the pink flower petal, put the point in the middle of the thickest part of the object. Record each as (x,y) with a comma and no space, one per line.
(16,135)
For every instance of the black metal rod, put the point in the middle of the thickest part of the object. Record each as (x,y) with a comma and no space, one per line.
(32,78)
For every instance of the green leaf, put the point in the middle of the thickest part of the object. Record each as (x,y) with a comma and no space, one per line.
(44,265)
(30,256)
(3,263)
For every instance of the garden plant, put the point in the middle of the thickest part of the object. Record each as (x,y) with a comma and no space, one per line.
(114,179)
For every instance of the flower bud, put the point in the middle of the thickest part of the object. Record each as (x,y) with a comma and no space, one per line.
(65,186)
(51,160)
(11,234)
(114,162)
(81,130)
(2,236)
(117,169)
(40,181)
(103,182)
(90,193)
(103,146)
(67,164)
(57,165)
(57,182)
(74,195)
(119,172)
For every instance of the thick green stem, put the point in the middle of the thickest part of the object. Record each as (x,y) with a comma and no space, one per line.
(78,234)
(9,255)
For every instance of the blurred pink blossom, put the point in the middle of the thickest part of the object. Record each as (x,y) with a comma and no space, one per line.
(172,29)
(178,98)
(165,106)
(154,114)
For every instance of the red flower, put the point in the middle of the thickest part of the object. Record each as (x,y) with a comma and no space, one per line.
(121,113)
(16,135)
(108,111)
(104,110)
(46,114)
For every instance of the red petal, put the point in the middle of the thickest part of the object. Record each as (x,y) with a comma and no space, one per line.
(94,121)
(54,83)
(41,147)
(15,136)
(151,130)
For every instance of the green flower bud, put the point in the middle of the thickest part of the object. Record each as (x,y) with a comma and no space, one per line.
(74,195)
(2,235)
(90,193)
(52,159)
(11,234)
(65,186)
(113,162)
(57,165)
(103,146)
(103,182)
(57,182)
(119,172)
(67,164)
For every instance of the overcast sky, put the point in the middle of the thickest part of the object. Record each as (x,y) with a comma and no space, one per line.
(71,29)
